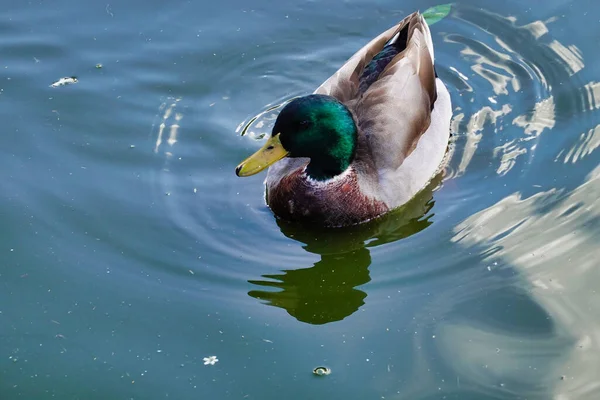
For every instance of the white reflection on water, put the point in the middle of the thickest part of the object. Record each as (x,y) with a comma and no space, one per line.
(481,64)
(552,239)
(464,79)
(491,359)
(537,28)
(571,56)
(173,129)
(508,154)
(587,143)
(592,92)
(543,117)
(476,124)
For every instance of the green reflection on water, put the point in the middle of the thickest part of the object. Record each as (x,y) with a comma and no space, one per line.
(327,291)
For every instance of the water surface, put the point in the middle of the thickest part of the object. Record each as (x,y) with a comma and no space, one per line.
(131,251)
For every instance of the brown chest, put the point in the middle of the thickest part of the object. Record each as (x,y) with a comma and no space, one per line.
(337,202)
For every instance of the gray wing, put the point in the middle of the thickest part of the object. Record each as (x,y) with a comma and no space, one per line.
(395,111)
(344,84)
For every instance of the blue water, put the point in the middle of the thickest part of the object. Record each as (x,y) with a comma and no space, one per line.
(131,251)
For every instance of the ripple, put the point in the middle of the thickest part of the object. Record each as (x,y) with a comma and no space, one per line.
(588,143)
(502,92)
(122,193)
(555,249)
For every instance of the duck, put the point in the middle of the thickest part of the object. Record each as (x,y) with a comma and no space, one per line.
(366,141)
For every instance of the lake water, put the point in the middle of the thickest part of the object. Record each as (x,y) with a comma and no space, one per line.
(130,250)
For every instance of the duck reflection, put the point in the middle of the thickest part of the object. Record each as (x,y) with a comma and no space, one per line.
(328,291)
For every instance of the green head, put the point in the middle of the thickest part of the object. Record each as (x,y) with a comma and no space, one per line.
(316,126)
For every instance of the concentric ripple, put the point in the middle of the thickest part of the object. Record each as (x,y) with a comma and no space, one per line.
(131,250)
(514,85)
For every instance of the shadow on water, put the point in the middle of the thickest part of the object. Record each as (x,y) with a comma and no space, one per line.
(328,290)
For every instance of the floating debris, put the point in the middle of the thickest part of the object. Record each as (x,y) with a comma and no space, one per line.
(322,371)
(64,81)
(212,360)
(437,13)
(132,146)
(98,66)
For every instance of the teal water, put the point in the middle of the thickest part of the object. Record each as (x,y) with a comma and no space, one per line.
(131,251)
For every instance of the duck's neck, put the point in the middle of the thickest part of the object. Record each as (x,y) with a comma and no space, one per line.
(324,170)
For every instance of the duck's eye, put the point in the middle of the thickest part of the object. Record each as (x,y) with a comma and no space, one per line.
(304,123)
(270,147)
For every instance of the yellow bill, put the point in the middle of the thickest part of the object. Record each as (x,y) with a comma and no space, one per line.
(269,154)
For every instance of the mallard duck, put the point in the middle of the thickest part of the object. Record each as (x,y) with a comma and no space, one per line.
(366,141)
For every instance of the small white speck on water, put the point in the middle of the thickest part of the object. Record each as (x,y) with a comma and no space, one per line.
(132,146)
(168,193)
(195,190)
(211,360)
(64,81)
